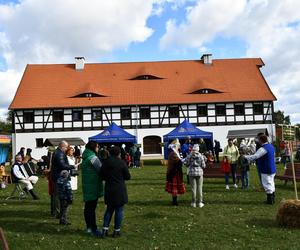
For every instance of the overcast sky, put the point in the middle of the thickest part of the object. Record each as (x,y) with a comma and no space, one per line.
(55,31)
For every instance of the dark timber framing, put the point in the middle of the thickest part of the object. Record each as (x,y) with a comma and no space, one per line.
(158,117)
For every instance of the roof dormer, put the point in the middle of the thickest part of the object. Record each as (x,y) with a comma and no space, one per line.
(205,91)
(88,95)
(145,77)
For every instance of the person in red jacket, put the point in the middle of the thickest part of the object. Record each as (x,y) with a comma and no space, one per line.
(225,166)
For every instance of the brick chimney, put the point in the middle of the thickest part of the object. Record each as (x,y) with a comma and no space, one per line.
(79,63)
(207,59)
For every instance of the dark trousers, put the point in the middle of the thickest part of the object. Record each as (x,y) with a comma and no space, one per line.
(90,214)
(63,211)
(233,172)
(56,202)
(217,157)
(52,205)
(110,210)
(226,178)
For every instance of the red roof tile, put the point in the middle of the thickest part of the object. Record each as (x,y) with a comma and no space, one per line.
(50,86)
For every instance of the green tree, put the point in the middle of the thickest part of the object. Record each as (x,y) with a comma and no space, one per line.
(6,125)
(298,131)
(279,118)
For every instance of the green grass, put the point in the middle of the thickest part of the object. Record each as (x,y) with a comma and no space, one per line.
(229,220)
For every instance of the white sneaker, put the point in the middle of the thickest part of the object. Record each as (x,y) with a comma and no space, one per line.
(201,204)
(235,186)
(227,187)
(193,204)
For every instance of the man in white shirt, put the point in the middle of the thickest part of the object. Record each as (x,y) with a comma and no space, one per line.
(19,174)
(265,157)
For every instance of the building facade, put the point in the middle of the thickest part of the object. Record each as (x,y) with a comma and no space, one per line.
(148,99)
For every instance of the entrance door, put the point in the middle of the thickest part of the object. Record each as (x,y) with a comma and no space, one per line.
(152,144)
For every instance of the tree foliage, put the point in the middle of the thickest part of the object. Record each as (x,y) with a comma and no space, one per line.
(280,118)
(6,125)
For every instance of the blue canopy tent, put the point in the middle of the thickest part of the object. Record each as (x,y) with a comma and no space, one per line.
(113,134)
(5,141)
(185,129)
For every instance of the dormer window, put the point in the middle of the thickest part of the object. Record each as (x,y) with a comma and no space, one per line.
(205,91)
(146,77)
(88,95)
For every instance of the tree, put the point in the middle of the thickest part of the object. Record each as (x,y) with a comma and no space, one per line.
(298,131)
(6,126)
(279,118)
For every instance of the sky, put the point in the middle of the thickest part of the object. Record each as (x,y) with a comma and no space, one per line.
(55,31)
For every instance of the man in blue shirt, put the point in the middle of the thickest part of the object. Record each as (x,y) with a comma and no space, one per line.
(265,157)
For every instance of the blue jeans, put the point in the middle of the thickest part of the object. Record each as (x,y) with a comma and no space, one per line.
(233,172)
(226,178)
(245,179)
(110,210)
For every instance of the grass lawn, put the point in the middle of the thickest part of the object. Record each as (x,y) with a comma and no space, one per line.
(229,220)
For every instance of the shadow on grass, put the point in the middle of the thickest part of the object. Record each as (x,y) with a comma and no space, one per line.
(17,202)
(147,203)
(146,183)
(49,226)
(263,222)
(235,202)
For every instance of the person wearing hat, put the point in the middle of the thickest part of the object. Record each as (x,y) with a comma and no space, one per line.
(174,184)
(196,163)
(265,157)
(65,196)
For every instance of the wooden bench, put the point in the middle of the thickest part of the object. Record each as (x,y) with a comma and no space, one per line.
(288,173)
(215,171)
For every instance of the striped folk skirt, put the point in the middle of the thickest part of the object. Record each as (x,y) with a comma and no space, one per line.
(175,185)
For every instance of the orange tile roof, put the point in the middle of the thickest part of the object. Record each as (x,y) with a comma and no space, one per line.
(54,85)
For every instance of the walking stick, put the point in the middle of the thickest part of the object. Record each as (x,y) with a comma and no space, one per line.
(293,169)
(3,239)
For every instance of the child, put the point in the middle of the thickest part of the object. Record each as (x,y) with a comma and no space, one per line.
(65,196)
(244,166)
(225,165)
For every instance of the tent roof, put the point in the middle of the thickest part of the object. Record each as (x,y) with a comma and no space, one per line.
(246,133)
(113,133)
(5,139)
(56,141)
(186,129)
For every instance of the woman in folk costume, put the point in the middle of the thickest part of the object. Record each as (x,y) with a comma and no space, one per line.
(174,185)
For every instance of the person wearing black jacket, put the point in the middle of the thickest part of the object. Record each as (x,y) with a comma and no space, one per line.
(217,150)
(59,163)
(114,172)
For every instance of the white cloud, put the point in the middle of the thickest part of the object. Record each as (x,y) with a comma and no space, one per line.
(270,29)
(9,81)
(54,31)
(203,22)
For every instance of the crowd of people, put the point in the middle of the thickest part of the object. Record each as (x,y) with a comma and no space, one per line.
(196,158)
(105,170)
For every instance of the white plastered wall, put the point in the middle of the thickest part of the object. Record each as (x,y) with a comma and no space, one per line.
(28,140)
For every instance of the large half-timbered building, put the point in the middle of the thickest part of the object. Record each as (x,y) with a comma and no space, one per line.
(148,99)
